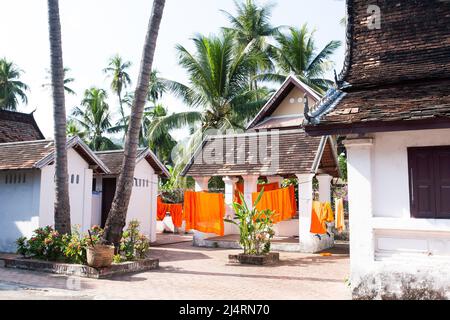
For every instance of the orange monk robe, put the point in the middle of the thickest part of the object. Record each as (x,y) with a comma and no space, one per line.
(176,212)
(204,212)
(161,209)
(328,215)
(340,219)
(280,201)
(317,227)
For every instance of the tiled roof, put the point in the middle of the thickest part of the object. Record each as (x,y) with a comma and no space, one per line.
(37,154)
(16,127)
(394,78)
(284,153)
(413,42)
(113,160)
(24,155)
(409,102)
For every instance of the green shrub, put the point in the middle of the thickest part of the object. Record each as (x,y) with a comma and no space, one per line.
(255,227)
(134,245)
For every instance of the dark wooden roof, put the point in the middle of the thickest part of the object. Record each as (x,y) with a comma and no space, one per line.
(286,153)
(39,153)
(16,127)
(394,78)
(412,43)
(113,160)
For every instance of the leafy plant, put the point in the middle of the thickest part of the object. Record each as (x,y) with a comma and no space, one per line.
(255,227)
(134,245)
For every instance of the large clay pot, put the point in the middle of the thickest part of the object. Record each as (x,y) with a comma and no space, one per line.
(100,256)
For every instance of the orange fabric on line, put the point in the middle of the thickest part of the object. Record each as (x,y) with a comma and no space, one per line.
(317,226)
(161,209)
(340,219)
(237,191)
(176,212)
(240,189)
(204,212)
(327,212)
(268,187)
(281,201)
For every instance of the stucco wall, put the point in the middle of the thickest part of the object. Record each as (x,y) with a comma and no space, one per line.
(19,206)
(384,236)
(292,104)
(142,205)
(80,179)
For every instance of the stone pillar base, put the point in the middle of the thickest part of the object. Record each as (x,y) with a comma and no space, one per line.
(312,244)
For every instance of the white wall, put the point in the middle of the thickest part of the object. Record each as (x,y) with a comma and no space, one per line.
(382,227)
(19,207)
(142,205)
(390,167)
(80,199)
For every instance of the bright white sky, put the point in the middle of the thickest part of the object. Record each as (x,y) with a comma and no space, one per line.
(94,30)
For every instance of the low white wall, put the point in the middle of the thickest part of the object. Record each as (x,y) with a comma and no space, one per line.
(80,180)
(19,206)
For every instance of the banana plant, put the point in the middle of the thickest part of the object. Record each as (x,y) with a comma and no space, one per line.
(255,226)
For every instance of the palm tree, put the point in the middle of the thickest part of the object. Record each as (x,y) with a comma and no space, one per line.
(156,90)
(62,203)
(95,119)
(117,217)
(67,81)
(117,71)
(11,88)
(295,53)
(218,85)
(252,29)
(73,129)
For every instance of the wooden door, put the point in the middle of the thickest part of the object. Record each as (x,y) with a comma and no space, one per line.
(108,191)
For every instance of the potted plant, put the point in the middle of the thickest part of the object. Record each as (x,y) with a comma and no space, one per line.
(256,233)
(98,255)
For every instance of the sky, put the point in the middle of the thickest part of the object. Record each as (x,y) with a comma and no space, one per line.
(95,30)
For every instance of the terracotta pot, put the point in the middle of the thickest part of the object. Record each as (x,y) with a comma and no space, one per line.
(100,256)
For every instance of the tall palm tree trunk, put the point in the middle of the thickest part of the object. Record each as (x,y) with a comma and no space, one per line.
(62,204)
(117,216)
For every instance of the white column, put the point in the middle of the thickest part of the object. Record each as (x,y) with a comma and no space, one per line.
(305,199)
(87,200)
(153,205)
(250,187)
(324,187)
(230,185)
(201,183)
(359,171)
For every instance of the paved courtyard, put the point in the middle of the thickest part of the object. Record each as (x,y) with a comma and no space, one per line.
(187,272)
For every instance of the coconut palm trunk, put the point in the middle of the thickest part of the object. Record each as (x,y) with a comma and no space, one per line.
(117,216)
(62,204)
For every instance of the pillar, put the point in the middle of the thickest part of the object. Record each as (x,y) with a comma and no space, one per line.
(250,187)
(324,187)
(230,185)
(201,183)
(305,198)
(359,171)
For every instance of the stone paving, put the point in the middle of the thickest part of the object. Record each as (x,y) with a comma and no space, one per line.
(187,272)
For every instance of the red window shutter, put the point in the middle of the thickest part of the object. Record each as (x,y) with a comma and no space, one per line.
(422,183)
(442,182)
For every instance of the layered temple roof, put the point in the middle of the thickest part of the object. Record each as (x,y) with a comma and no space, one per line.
(37,154)
(396,77)
(283,153)
(16,126)
(114,159)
